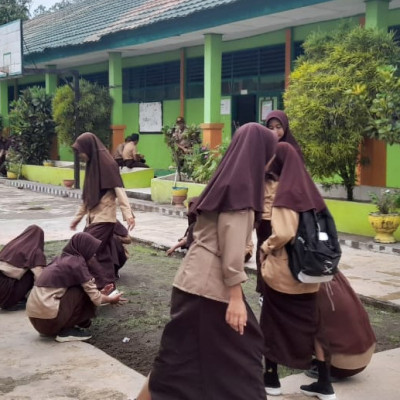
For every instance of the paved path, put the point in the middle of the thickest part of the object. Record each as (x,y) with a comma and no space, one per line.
(34,368)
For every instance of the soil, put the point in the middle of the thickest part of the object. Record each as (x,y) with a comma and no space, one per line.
(131,333)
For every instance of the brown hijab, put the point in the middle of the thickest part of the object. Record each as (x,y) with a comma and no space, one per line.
(287,135)
(26,250)
(70,268)
(102,172)
(296,189)
(238,182)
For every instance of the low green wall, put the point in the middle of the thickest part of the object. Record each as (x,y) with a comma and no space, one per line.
(140,178)
(161,189)
(48,175)
(352,217)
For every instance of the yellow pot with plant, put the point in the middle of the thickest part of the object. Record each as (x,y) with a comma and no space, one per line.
(386,219)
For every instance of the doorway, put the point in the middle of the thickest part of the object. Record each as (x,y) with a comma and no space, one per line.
(243,110)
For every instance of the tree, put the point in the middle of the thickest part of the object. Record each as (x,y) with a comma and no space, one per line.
(10,10)
(327,116)
(31,125)
(94,112)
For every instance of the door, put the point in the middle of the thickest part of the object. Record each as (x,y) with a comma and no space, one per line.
(243,110)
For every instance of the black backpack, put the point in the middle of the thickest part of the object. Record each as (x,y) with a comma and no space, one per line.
(315,253)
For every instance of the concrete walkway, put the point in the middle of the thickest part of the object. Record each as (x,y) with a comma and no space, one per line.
(33,367)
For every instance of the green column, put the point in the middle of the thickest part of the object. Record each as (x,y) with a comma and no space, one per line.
(115,83)
(376,13)
(51,80)
(212,78)
(4,101)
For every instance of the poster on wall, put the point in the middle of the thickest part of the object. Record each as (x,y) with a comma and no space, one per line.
(150,117)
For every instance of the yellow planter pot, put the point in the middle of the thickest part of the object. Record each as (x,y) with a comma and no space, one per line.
(11,175)
(179,195)
(384,225)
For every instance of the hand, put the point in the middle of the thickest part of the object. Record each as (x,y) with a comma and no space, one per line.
(107,289)
(131,223)
(169,251)
(236,315)
(73,225)
(117,299)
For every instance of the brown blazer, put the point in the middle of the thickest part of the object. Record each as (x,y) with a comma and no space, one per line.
(215,260)
(275,269)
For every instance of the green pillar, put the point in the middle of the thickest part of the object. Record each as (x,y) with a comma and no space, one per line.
(115,83)
(4,101)
(51,80)
(376,13)
(212,78)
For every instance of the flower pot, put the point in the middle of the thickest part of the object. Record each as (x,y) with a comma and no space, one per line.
(69,183)
(179,195)
(11,175)
(384,225)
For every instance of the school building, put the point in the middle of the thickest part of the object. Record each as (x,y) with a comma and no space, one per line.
(218,63)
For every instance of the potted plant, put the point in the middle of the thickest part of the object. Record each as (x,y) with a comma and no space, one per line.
(13,163)
(386,219)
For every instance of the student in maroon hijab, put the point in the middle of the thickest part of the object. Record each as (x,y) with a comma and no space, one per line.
(102,188)
(212,347)
(21,260)
(277,121)
(65,295)
(289,317)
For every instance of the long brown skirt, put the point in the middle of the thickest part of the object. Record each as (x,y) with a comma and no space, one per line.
(103,271)
(13,290)
(289,324)
(202,358)
(76,308)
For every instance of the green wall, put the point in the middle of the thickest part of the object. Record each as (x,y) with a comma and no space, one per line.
(393,166)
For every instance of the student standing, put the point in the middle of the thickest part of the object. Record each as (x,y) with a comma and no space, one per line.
(102,189)
(64,297)
(289,316)
(21,260)
(278,122)
(212,347)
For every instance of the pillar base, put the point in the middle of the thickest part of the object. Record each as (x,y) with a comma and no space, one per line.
(212,134)
(118,136)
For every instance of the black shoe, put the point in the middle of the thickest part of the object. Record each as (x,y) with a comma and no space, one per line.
(313,373)
(271,383)
(322,390)
(73,334)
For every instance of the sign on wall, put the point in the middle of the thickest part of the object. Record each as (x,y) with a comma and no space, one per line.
(150,117)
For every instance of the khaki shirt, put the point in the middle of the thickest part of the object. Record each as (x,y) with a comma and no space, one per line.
(130,151)
(269,196)
(17,273)
(215,260)
(275,269)
(44,302)
(106,210)
(118,151)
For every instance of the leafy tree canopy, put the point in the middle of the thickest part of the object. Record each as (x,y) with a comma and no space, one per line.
(94,112)
(330,96)
(10,10)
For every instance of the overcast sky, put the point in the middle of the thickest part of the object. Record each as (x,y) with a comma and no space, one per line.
(36,3)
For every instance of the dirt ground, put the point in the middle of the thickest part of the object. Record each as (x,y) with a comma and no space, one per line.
(131,333)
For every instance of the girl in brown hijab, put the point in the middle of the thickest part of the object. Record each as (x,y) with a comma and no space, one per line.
(65,295)
(212,347)
(103,186)
(277,121)
(289,317)
(21,260)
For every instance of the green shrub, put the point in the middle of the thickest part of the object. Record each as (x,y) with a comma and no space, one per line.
(31,125)
(94,112)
